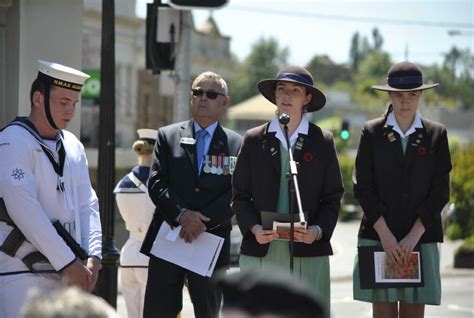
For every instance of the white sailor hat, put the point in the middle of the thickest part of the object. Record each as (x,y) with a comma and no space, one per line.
(147,134)
(60,75)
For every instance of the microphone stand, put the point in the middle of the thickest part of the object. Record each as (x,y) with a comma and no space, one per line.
(293,190)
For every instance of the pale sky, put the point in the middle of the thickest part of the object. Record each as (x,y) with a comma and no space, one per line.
(310,27)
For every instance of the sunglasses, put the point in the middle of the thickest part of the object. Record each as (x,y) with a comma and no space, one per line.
(209,94)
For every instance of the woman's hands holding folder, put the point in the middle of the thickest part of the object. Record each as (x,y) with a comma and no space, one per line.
(408,243)
(389,242)
(263,236)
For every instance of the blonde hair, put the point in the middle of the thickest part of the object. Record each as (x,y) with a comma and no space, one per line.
(142,147)
(66,303)
(212,76)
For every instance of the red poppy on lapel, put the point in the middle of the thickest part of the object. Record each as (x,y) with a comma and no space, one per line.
(222,154)
(421,151)
(308,156)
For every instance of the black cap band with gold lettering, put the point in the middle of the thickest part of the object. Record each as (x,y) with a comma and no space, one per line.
(58,82)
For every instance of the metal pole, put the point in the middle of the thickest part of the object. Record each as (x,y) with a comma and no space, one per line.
(107,284)
(182,70)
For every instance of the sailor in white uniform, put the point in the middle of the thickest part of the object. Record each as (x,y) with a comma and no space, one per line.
(44,180)
(137,210)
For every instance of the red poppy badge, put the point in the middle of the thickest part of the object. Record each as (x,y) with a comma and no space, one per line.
(308,157)
(421,151)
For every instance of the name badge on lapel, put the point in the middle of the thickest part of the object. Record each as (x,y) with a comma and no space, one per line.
(187,141)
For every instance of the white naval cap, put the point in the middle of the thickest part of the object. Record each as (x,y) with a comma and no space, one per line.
(147,134)
(60,75)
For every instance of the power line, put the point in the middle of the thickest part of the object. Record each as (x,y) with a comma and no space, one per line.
(301,14)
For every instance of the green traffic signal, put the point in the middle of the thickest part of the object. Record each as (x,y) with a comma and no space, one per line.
(345,134)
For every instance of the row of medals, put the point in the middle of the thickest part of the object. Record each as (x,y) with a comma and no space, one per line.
(219,164)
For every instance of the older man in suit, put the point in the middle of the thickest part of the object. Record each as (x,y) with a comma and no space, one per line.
(190,186)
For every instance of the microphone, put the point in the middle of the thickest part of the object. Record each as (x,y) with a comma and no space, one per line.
(284,119)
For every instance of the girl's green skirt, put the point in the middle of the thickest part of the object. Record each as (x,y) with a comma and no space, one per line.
(429,294)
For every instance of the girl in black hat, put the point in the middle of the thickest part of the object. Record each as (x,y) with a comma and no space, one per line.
(401,180)
(260,184)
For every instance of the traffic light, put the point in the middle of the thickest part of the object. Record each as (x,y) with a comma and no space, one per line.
(159,54)
(345,132)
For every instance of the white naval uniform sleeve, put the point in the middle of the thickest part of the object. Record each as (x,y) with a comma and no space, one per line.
(19,192)
(91,231)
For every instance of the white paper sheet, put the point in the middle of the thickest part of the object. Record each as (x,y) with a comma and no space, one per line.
(199,256)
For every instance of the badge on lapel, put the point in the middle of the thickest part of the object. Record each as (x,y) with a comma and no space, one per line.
(273,151)
(391,136)
(299,144)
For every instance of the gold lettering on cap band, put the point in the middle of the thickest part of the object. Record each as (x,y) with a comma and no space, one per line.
(61,83)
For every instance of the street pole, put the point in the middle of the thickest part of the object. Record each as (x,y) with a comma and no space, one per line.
(107,283)
(182,70)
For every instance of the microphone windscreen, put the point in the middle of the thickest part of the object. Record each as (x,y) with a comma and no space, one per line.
(284,119)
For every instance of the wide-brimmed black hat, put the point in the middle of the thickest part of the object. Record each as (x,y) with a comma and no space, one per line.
(404,77)
(298,75)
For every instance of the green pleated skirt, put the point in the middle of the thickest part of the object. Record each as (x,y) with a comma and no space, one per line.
(429,294)
(311,271)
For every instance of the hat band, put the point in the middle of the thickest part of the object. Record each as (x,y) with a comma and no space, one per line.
(295,77)
(61,83)
(405,80)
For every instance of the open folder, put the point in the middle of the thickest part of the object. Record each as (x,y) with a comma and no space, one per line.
(199,256)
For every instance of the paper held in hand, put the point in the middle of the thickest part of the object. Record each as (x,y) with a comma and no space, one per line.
(281,222)
(199,256)
(284,229)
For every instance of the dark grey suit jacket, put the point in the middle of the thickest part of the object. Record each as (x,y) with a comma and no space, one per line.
(401,187)
(174,182)
(256,184)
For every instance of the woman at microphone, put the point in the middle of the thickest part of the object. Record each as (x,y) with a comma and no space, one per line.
(260,184)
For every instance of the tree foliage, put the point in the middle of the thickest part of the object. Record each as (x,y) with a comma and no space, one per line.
(360,47)
(372,71)
(326,71)
(462,189)
(264,61)
(456,77)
